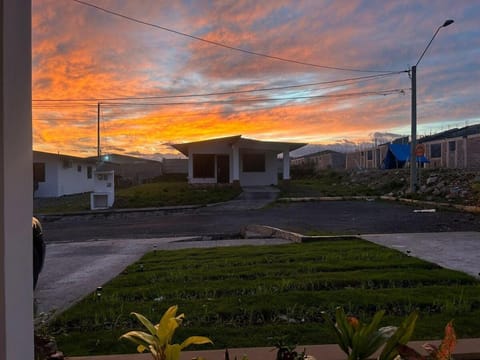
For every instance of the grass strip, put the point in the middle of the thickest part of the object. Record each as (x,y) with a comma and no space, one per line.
(251,296)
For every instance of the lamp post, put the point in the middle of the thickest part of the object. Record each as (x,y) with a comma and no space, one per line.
(413,75)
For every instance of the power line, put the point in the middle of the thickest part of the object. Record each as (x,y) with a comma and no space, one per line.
(224,45)
(348,81)
(234,101)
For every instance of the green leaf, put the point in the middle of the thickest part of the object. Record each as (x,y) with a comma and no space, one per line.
(140,338)
(401,336)
(197,340)
(340,339)
(172,352)
(145,322)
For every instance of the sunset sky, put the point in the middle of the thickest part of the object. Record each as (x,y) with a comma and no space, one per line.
(332,72)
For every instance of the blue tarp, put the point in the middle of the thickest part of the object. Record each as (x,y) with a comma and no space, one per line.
(397,155)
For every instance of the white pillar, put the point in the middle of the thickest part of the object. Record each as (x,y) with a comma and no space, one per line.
(236,163)
(16,183)
(286,165)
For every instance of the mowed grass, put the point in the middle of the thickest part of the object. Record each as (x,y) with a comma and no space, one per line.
(252,296)
(173,193)
(155,194)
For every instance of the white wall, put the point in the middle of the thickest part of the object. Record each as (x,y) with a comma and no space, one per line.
(61,181)
(48,188)
(16,185)
(269,177)
(220,148)
(71,181)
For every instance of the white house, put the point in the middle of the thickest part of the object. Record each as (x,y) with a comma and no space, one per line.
(236,160)
(56,174)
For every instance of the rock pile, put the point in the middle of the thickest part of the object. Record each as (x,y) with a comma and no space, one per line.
(444,185)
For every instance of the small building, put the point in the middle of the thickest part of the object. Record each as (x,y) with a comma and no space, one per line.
(56,175)
(129,170)
(175,166)
(235,159)
(322,160)
(454,148)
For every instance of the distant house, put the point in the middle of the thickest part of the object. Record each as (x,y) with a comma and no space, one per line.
(235,159)
(454,148)
(56,175)
(175,166)
(129,169)
(326,159)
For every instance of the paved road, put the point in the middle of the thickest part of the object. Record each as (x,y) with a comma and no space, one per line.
(345,217)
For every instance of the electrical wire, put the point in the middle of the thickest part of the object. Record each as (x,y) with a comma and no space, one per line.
(224,45)
(348,81)
(234,101)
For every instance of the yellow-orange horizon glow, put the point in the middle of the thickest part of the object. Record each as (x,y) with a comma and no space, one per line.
(86,57)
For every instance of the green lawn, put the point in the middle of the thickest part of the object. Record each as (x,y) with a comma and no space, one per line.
(156,194)
(341,183)
(251,296)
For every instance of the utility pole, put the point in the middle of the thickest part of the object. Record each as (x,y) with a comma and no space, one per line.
(413,142)
(413,75)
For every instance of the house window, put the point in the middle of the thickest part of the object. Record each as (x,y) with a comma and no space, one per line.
(436,150)
(369,155)
(203,165)
(38,172)
(452,146)
(79,168)
(253,162)
(89,172)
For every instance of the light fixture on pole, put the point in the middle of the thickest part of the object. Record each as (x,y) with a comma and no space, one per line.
(413,76)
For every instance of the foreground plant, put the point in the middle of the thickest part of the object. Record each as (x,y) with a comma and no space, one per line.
(443,352)
(158,340)
(360,341)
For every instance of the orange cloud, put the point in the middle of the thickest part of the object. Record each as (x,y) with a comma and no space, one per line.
(80,53)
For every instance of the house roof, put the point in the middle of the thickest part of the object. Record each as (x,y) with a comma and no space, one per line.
(243,143)
(452,133)
(61,157)
(124,159)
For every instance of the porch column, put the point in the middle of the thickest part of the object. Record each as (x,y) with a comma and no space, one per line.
(236,164)
(286,164)
(16,183)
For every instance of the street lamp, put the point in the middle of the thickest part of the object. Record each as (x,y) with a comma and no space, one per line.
(413,75)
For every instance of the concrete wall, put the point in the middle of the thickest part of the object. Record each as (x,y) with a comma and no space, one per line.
(269,177)
(473,152)
(220,148)
(353,160)
(175,166)
(61,179)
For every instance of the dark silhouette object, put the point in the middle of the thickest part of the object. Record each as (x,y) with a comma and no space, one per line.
(38,249)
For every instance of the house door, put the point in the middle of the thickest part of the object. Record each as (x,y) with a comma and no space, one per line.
(223,169)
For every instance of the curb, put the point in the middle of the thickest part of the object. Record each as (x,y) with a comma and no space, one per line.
(465,208)
(169,209)
(272,232)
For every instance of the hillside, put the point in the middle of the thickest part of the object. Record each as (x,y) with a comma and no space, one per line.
(441,185)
